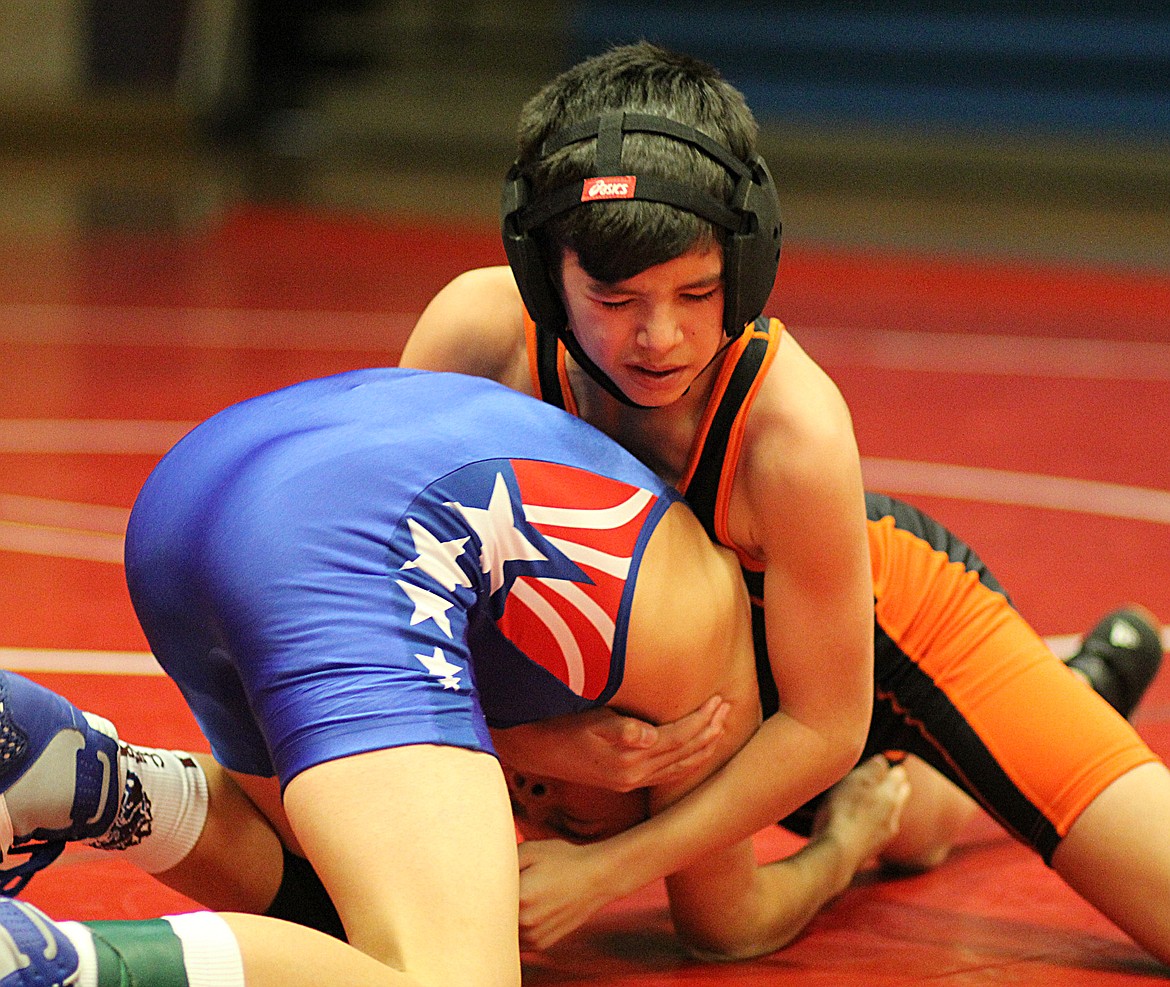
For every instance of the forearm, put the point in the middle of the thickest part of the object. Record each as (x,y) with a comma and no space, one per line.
(766,909)
(728,908)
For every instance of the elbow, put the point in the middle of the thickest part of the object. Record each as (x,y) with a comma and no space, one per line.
(845,740)
(756,922)
(853,742)
(744,943)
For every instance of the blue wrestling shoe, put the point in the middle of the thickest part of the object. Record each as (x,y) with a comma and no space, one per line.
(60,777)
(1121,656)
(34,952)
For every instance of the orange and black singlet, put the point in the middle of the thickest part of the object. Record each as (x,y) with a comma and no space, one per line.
(960,678)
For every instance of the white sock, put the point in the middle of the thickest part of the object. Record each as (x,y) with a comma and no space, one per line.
(87,968)
(211,953)
(164,807)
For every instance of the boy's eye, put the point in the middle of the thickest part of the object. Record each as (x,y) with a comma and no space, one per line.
(613,302)
(701,296)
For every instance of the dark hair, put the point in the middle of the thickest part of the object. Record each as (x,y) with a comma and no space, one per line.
(616,240)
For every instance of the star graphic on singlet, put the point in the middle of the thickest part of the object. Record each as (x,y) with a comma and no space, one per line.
(428,606)
(445,671)
(437,558)
(501,541)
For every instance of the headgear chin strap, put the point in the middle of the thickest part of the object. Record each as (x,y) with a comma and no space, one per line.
(751,220)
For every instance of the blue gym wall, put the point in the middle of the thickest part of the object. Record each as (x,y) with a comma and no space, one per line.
(1039,67)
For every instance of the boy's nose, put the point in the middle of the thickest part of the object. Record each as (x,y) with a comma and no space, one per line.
(659,332)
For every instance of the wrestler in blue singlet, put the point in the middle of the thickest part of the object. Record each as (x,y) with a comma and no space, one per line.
(387,557)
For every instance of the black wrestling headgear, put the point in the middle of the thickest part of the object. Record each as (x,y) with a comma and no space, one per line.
(751,218)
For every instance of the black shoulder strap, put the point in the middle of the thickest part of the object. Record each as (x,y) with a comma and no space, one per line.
(703,491)
(546,369)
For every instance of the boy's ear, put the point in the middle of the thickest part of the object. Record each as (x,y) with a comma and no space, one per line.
(526,258)
(751,257)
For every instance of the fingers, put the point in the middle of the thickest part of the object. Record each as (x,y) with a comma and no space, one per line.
(694,734)
(556,894)
(691,734)
(650,755)
(635,735)
(685,733)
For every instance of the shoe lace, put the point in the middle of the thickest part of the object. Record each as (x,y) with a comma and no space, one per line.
(40,855)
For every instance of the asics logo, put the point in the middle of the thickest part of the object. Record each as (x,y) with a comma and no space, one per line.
(1124,635)
(609,187)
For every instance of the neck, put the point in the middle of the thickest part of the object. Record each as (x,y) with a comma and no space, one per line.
(662,437)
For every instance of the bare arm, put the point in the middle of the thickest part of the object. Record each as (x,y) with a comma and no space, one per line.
(561,886)
(749,910)
(604,749)
(474,326)
(810,510)
(726,906)
(801,498)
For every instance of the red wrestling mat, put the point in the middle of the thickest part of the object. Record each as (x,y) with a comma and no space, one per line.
(1024,406)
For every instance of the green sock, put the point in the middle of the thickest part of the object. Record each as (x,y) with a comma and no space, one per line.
(144,953)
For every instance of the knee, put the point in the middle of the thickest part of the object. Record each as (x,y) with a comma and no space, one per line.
(915,857)
(934,818)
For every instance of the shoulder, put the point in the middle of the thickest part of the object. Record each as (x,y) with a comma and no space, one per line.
(474,325)
(800,424)
(799,452)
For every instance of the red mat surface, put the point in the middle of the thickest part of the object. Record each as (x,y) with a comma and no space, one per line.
(1024,406)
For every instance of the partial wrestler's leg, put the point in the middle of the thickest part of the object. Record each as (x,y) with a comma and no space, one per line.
(197,948)
(237,862)
(1119,658)
(979,695)
(1051,760)
(66,776)
(290,888)
(417,848)
(1117,856)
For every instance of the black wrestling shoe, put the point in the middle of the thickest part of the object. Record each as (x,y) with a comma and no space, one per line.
(1121,656)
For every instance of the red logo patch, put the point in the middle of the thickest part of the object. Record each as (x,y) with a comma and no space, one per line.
(609,187)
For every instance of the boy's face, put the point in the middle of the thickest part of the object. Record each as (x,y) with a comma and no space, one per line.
(653,333)
(545,808)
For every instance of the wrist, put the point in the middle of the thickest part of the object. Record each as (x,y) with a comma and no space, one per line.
(841,858)
(623,866)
